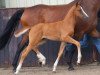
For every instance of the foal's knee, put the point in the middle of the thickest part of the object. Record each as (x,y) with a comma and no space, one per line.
(78,45)
(23,56)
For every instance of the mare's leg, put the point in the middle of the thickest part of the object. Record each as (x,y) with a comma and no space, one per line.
(95,33)
(62,46)
(69,52)
(70,57)
(94,54)
(96,42)
(71,40)
(21,47)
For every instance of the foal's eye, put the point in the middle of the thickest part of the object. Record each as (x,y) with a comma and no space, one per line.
(79,10)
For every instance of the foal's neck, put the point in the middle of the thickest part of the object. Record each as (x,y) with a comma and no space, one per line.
(70,16)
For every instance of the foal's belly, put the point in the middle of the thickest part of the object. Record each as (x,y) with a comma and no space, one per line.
(54,38)
(51,32)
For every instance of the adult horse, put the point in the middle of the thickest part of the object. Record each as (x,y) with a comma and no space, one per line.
(43,14)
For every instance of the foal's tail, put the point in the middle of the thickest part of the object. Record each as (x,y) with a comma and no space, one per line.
(22,31)
(10,28)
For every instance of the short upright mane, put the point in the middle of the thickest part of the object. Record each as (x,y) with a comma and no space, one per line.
(70,12)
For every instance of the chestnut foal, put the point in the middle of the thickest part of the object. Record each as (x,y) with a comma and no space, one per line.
(59,31)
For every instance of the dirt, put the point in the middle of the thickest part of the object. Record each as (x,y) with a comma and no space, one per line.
(61,70)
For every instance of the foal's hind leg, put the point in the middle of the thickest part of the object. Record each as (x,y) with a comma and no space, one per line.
(41,57)
(23,56)
(71,40)
(62,46)
(34,40)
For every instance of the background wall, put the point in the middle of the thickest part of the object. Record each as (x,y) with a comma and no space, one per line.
(2,3)
(27,3)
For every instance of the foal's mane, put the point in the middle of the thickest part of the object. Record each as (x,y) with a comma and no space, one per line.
(71,11)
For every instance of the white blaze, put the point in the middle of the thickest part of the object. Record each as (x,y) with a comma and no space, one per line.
(84,12)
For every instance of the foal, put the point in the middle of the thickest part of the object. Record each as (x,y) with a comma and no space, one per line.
(59,31)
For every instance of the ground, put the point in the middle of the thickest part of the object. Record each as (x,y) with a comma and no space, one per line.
(61,70)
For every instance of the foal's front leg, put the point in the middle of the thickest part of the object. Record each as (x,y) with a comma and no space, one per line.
(71,40)
(62,46)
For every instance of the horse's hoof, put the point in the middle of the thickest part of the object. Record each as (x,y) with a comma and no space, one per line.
(14,69)
(40,64)
(15,73)
(70,69)
(54,71)
(78,64)
(98,63)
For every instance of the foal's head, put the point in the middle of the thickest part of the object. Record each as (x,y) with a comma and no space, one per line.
(78,11)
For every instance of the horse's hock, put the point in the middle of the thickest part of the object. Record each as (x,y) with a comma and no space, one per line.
(49,50)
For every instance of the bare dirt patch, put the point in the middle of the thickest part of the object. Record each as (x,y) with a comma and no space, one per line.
(61,70)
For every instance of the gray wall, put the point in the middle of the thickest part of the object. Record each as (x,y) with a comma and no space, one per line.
(28,3)
(2,3)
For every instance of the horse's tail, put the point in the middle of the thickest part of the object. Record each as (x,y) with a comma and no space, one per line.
(10,28)
(22,31)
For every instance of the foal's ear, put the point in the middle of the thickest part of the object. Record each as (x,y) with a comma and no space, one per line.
(77,4)
(80,2)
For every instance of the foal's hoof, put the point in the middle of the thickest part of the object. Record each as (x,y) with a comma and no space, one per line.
(16,72)
(40,63)
(98,63)
(78,64)
(70,69)
(54,71)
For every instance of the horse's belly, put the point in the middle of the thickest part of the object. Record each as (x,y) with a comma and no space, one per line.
(55,38)
(52,35)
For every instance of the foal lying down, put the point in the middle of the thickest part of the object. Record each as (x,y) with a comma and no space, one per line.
(58,31)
